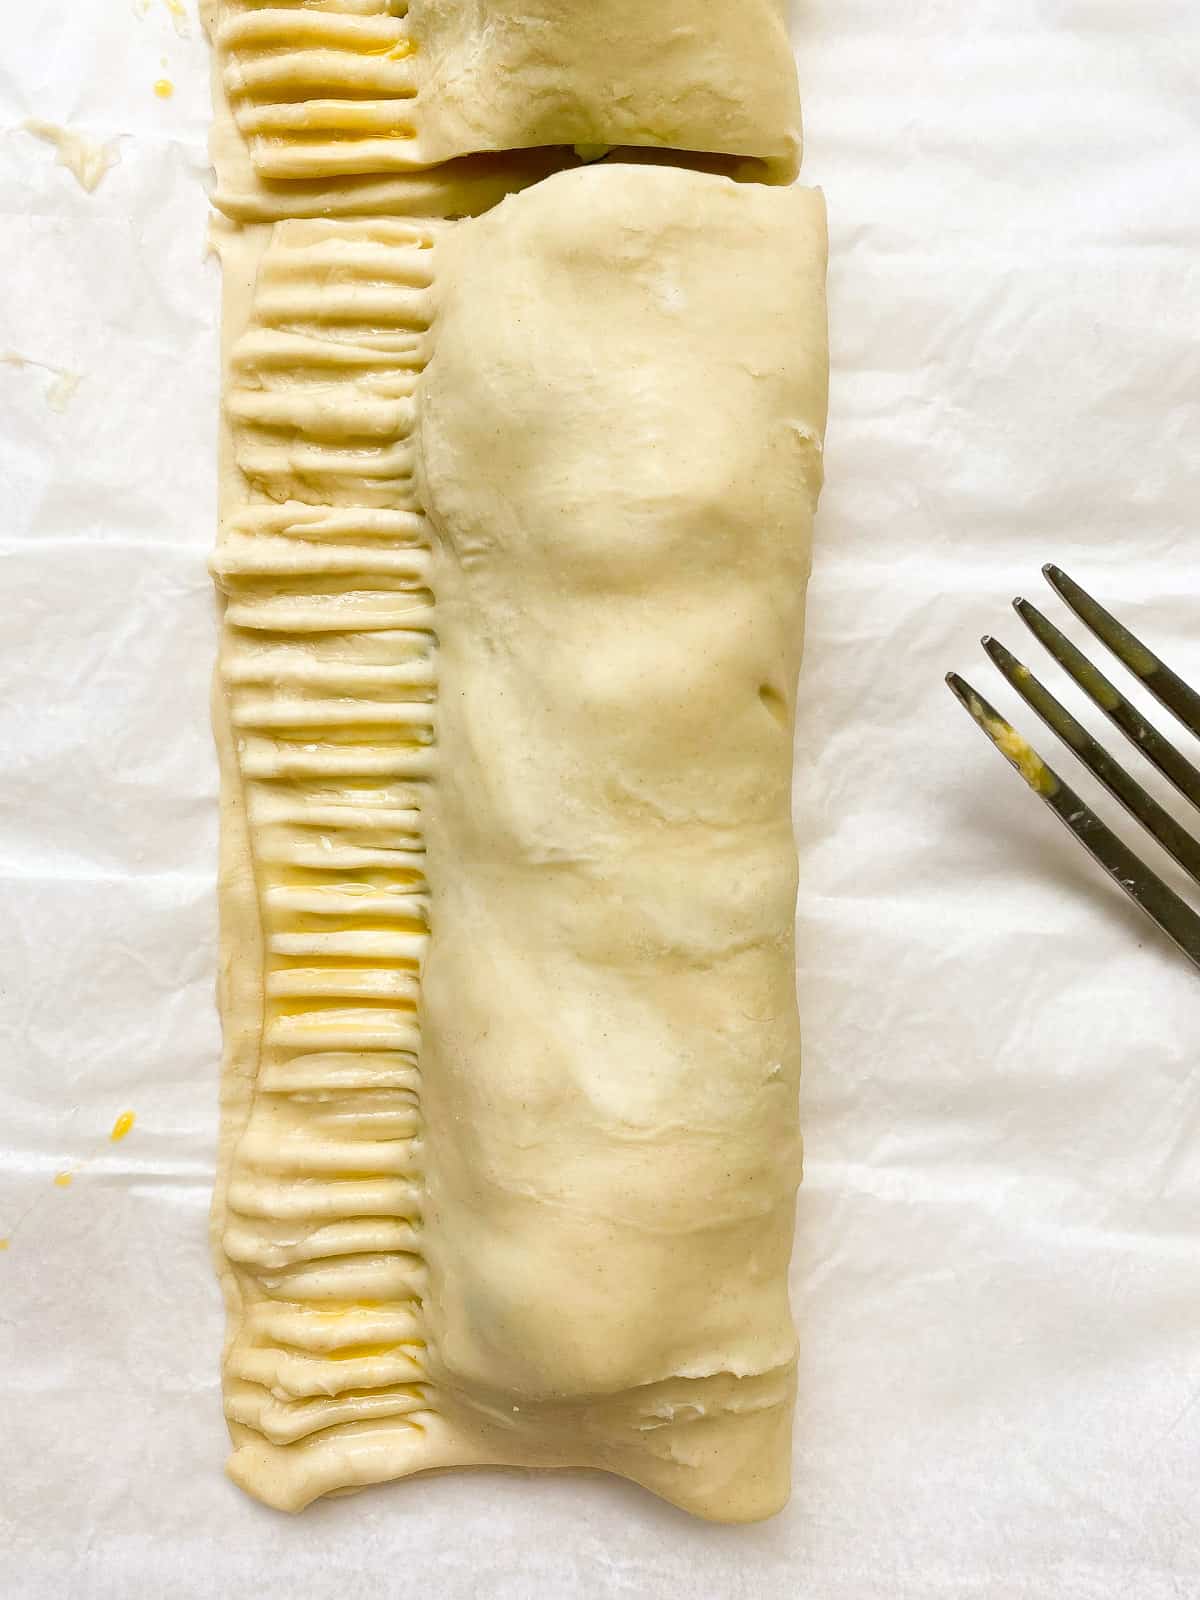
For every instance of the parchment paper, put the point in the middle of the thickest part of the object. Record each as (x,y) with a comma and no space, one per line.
(998,1269)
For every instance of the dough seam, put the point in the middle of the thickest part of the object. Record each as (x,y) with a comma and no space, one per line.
(327,688)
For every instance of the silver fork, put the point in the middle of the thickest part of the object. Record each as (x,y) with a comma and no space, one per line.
(1160,902)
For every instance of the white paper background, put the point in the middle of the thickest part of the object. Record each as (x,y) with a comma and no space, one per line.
(998,1274)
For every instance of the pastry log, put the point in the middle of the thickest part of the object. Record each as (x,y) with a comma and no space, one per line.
(372,86)
(516,533)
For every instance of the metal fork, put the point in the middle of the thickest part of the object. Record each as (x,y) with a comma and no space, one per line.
(1160,902)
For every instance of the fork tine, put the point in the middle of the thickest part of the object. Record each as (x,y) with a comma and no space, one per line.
(1113,703)
(1158,822)
(1167,687)
(1160,902)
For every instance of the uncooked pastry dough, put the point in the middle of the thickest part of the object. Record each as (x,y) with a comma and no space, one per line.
(509,1139)
(86,159)
(375,86)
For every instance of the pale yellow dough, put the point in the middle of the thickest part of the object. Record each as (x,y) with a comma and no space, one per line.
(354,87)
(516,529)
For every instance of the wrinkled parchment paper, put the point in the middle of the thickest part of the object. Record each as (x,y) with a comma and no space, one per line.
(998,1268)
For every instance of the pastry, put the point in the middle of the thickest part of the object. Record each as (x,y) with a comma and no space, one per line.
(361,87)
(516,518)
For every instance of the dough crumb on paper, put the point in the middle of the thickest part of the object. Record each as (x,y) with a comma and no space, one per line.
(65,383)
(88,159)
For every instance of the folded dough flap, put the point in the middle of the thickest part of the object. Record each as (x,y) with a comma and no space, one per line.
(619,451)
(347,88)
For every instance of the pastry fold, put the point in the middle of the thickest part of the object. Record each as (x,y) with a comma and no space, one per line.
(516,532)
(356,87)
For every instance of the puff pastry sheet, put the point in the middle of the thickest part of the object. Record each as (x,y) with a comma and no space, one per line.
(368,87)
(515,538)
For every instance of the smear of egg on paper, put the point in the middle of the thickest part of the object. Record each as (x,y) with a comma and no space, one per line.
(164,88)
(65,1179)
(88,159)
(175,9)
(61,391)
